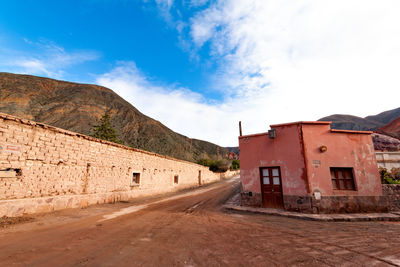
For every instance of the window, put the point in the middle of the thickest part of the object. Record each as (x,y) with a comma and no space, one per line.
(135,179)
(10,173)
(342,178)
(176,179)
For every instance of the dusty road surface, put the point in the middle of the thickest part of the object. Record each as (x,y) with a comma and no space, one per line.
(193,230)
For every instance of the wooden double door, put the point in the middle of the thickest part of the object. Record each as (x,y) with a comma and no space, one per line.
(271,187)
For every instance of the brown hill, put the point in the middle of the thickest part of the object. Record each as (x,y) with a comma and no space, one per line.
(77,107)
(386,116)
(391,129)
(349,122)
(369,123)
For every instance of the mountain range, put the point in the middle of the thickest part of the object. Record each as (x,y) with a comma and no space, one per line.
(78,107)
(387,122)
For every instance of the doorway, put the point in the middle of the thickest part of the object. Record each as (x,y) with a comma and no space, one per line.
(271,187)
(199,177)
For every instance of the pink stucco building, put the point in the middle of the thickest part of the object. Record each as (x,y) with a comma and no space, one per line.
(306,166)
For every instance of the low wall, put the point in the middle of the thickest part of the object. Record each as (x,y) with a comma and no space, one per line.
(325,205)
(392,191)
(229,174)
(388,160)
(43,168)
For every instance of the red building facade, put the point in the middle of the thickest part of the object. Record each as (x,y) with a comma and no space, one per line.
(306,166)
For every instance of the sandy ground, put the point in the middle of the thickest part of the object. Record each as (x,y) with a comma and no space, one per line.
(193,230)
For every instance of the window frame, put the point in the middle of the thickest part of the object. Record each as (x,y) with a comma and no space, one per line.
(176,179)
(335,179)
(138,177)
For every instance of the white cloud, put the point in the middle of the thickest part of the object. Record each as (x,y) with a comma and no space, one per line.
(44,58)
(197,3)
(278,61)
(304,59)
(164,7)
(32,65)
(178,108)
(182,110)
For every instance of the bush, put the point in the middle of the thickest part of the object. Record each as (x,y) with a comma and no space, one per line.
(214,165)
(205,162)
(395,173)
(389,178)
(235,164)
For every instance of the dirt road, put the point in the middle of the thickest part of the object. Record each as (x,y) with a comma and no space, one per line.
(192,230)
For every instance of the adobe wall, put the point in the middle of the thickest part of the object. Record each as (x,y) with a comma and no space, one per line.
(43,168)
(344,149)
(305,170)
(284,151)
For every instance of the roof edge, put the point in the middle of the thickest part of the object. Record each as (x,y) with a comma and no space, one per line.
(252,135)
(301,122)
(351,131)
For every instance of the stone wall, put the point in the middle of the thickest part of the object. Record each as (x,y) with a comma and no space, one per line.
(43,168)
(332,204)
(350,204)
(251,199)
(392,191)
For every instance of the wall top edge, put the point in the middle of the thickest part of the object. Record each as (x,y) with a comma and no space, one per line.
(351,131)
(252,135)
(302,122)
(31,123)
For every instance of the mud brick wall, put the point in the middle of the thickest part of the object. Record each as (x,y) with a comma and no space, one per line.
(43,168)
(392,192)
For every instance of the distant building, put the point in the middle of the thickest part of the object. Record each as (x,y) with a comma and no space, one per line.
(306,166)
(232,155)
(387,151)
(388,160)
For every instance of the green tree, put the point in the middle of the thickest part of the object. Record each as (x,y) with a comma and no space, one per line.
(205,162)
(235,164)
(105,131)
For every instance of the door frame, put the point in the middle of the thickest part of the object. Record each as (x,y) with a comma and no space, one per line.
(199,177)
(262,182)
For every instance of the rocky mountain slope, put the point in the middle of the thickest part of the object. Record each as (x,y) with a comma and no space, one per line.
(77,107)
(385,124)
(373,123)
(391,129)
(385,143)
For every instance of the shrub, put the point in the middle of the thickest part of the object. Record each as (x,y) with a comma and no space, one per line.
(395,173)
(205,162)
(235,164)
(214,165)
(387,177)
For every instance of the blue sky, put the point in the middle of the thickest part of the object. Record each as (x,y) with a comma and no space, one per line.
(111,31)
(200,66)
